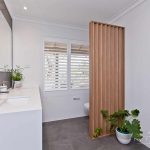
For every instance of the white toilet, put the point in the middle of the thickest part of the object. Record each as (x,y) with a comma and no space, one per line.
(86,108)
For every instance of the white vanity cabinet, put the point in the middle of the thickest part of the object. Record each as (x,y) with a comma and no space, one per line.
(21,122)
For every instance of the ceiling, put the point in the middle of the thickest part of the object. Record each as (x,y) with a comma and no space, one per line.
(68,12)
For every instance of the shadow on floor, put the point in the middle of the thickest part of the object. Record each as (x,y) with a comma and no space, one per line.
(72,134)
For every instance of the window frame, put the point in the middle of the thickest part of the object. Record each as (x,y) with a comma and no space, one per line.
(68,43)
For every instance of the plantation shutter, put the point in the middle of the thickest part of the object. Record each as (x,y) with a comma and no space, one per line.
(55,66)
(79,66)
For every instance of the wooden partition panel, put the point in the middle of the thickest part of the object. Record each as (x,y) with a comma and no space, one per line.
(106,72)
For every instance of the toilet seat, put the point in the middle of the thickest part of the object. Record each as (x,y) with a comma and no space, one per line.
(86,108)
(86,105)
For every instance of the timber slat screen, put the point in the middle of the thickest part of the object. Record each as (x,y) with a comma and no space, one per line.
(106,72)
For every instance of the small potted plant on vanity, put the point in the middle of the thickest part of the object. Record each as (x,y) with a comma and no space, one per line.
(124,123)
(17,77)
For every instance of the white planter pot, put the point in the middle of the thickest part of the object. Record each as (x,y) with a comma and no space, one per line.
(17,84)
(123,138)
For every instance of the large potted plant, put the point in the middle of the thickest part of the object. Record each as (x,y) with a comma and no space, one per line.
(17,77)
(124,123)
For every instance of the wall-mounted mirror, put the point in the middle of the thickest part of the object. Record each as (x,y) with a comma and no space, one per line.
(5,43)
(6,50)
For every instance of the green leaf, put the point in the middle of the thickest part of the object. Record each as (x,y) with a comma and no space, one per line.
(121,114)
(104,114)
(97,132)
(16,74)
(135,112)
(134,128)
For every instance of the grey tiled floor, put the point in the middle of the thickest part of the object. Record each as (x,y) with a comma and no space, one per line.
(72,134)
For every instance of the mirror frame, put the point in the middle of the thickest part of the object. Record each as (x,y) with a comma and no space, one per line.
(6,14)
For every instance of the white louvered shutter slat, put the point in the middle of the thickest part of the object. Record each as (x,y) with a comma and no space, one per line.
(55,66)
(79,67)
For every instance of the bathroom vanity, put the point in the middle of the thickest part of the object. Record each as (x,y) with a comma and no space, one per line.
(21,120)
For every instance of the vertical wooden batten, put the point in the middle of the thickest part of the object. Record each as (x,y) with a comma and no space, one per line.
(106,72)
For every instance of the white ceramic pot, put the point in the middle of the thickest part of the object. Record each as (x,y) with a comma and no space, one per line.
(123,138)
(17,84)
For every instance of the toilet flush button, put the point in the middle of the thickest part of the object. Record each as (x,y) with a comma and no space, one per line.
(76,98)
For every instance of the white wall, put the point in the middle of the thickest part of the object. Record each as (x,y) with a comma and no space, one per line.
(28,52)
(137,23)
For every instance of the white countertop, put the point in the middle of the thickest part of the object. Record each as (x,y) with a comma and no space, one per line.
(33,103)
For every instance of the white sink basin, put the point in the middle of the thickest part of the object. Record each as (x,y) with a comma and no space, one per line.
(21,100)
